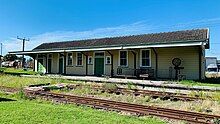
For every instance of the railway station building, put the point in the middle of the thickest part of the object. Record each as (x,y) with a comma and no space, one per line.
(166,55)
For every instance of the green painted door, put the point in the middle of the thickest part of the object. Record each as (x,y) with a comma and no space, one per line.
(99,66)
(61,65)
(49,65)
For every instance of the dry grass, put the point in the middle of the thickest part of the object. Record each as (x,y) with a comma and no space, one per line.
(43,112)
(20,82)
(205,106)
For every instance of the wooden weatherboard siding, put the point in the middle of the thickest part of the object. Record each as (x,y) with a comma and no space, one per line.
(188,55)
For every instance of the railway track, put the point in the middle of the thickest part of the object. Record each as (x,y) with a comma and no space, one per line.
(136,92)
(191,117)
(136,84)
(154,94)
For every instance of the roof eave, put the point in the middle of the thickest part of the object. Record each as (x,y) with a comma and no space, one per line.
(196,43)
(123,45)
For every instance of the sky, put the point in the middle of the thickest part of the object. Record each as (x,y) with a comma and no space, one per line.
(58,20)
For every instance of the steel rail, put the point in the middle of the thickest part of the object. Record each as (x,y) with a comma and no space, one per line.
(178,96)
(132,108)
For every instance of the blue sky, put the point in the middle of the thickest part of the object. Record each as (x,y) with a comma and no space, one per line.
(56,20)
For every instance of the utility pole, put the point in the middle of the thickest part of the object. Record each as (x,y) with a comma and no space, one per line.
(23,40)
(1,57)
(1,49)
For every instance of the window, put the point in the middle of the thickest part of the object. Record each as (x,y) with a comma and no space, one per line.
(108,60)
(69,59)
(145,58)
(90,60)
(61,55)
(123,58)
(79,59)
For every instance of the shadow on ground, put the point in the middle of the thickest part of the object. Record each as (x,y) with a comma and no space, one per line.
(212,80)
(6,99)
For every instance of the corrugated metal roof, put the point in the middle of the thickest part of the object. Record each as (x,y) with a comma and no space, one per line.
(155,38)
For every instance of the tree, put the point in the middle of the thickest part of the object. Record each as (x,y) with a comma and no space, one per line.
(10,57)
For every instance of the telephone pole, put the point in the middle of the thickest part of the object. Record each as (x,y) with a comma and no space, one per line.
(1,57)
(23,40)
(1,49)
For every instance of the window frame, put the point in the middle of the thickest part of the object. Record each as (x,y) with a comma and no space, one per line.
(106,60)
(68,59)
(91,60)
(62,56)
(149,57)
(77,59)
(49,56)
(119,60)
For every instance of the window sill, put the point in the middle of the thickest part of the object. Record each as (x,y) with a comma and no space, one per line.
(69,65)
(79,65)
(123,66)
(145,66)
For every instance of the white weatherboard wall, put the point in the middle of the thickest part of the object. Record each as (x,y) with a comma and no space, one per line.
(188,55)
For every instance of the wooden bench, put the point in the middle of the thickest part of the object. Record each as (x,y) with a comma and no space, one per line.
(145,73)
(121,72)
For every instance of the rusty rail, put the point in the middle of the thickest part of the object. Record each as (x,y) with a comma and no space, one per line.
(192,117)
(137,92)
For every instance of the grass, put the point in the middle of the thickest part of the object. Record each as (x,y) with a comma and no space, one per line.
(206,95)
(196,83)
(72,114)
(211,106)
(19,82)
(41,112)
(19,71)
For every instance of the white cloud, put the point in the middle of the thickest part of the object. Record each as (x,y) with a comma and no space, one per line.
(129,29)
(135,28)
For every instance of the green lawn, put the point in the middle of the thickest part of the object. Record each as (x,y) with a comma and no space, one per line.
(38,112)
(14,71)
(204,83)
(19,82)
